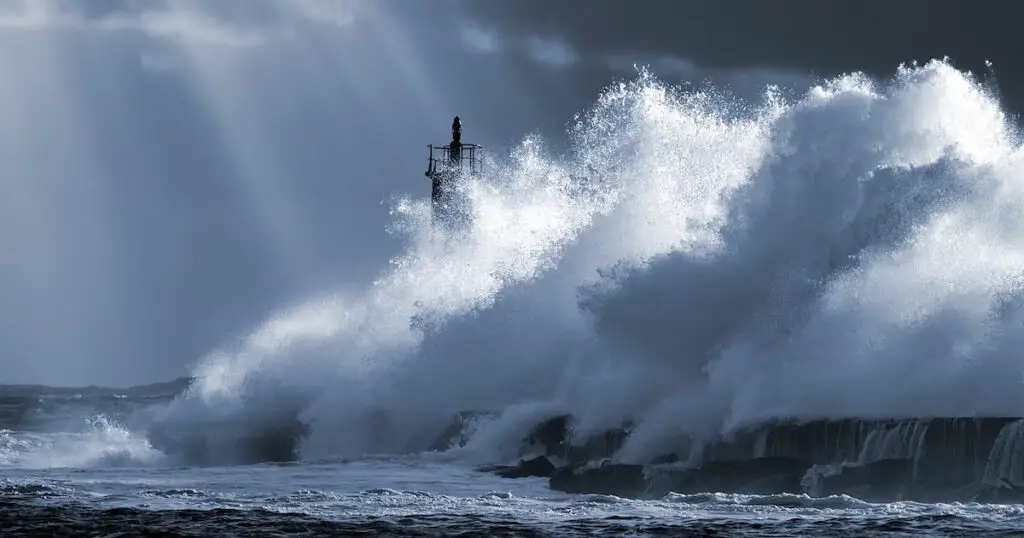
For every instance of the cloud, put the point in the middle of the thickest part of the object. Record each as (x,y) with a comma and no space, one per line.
(184,25)
(478,39)
(330,12)
(871,36)
(181,22)
(178,24)
(559,53)
(551,51)
(547,51)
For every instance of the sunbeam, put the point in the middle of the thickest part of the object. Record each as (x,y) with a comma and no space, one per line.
(66,272)
(677,298)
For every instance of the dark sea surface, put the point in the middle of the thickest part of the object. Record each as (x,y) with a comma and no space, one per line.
(72,466)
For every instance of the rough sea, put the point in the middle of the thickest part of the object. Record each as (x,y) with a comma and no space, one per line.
(692,265)
(71,467)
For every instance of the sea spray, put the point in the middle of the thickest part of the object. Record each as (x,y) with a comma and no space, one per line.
(694,264)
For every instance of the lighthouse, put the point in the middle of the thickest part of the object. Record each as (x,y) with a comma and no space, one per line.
(447,164)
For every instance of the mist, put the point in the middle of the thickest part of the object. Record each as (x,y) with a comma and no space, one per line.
(694,264)
(176,171)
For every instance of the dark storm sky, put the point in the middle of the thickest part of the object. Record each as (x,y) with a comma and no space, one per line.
(804,36)
(175,171)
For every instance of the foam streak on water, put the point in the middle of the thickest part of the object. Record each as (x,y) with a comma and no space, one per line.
(694,263)
(401,497)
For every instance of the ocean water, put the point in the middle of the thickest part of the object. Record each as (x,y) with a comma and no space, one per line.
(693,264)
(93,477)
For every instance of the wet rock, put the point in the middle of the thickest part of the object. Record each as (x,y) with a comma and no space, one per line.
(775,484)
(881,481)
(1002,492)
(928,459)
(609,479)
(459,430)
(551,437)
(664,459)
(762,476)
(539,466)
(229,443)
(598,447)
(948,449)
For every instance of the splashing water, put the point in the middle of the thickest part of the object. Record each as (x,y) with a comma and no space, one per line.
(694,264)
(103,442)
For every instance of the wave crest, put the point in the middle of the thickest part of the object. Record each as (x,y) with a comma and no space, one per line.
(695,263)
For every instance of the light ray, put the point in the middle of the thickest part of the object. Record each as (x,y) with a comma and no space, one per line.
(221,81)
(64,267)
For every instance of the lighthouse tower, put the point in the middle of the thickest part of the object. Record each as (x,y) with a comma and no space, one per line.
(446,165)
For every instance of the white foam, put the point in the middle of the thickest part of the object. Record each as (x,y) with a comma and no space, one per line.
(103,443)
(855,252)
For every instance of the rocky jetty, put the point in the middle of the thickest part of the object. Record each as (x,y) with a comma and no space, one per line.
(880,460)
